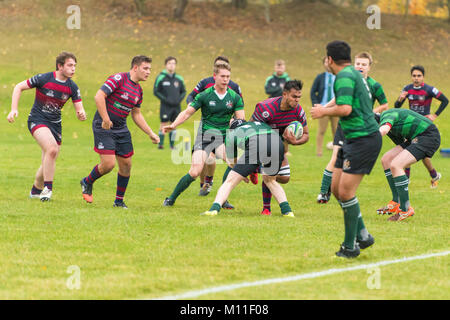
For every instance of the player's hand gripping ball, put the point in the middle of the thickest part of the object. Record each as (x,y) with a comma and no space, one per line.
(296,128)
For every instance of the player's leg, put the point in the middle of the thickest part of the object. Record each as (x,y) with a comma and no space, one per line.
(161,134)
(38,184)
(323,124)
(435,176)
(197,164)
(207,174)
(123,177)
(278,192)
(282,177)
(325,187)
(221,154)
(50,149)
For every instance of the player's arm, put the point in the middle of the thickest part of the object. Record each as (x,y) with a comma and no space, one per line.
(401,99)
(337,111)
(385,128)
(239,114)
(330,103)
(138,118)
(15,100)
(380,96)
(444,103)
(79,109)
(181,118)
(100,102)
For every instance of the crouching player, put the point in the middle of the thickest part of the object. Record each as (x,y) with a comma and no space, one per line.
(262,148)
(417,138)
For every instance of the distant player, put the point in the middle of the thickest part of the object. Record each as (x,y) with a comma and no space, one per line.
(118,97)
(275,83)
(278,113)
(420,139)
(363,63)
(420,96)
(262,148)
(169,89)
(53,89)
(207,175)
(362,143)
(217,104)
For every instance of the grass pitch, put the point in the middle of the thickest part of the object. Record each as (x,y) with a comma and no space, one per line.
(150,251)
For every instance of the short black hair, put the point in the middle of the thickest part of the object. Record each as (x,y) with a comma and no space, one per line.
(293,84)
(418,67)
(169,58)
(221,58)
(137,60)
(340,51)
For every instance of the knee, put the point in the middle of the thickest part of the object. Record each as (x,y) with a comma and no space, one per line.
(195,171)
(107,167)
(385,162)
(53,152)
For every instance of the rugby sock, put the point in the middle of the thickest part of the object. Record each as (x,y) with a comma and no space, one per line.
(362,234)
(408,172)
(94,175)
(216,206)
(267,196)
(209,179)
(49,185)
(433,173)
(161,138)
(225,175)
(326,181)
(401,183)
(182,185)
(351,217)
(285,207)
(35,190)
(122,183)
(172,135)
(390,180)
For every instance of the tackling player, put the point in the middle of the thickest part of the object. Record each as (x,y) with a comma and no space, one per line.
(53,89)
(119,96)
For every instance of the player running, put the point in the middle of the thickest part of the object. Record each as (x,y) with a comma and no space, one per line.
(262,148)
(416,137)
(53,89)
(278,113)
(207,175)
(218,104)
(363,63)
(420,96)
(119,96)
(361,146)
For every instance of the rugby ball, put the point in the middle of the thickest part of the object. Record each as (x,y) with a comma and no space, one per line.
(296,128)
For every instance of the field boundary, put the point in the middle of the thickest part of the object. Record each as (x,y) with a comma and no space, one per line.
(311,275)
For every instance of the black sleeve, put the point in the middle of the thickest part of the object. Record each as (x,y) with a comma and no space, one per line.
(398,104)
(444,103)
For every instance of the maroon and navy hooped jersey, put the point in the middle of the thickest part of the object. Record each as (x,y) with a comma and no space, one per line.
(268,111)
(51,95)
(122,96)
(420,97)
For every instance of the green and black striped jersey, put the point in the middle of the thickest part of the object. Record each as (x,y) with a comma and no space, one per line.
(377,91)
(405,124)
(352,89)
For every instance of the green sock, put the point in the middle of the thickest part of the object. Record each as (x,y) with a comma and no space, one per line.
(182,185)
(161,138)
(225,175)
(326,181)
(351,214)
(216,207)
(401,184)
(390,180)
(285,207)
(172,135)
(362,234)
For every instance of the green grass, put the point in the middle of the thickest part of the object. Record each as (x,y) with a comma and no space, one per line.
(151,251)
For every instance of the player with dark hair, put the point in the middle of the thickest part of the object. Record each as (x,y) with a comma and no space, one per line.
(262,148)
(278,113)
(361,146)
(169,89)
(420,138)
(53,89)
(218,104)
(119,96)
(363,63)
(207,175)
(420,96)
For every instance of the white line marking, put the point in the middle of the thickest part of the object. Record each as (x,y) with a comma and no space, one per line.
(196,293)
